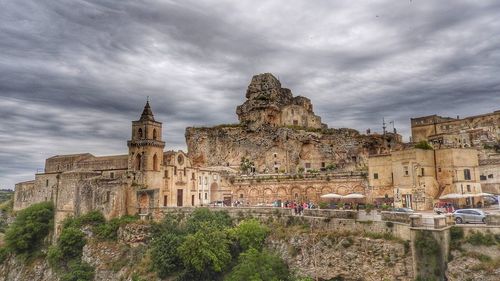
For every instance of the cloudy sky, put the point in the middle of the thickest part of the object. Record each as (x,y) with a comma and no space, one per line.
(73,74)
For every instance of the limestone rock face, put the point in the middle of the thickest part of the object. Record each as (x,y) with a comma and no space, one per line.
(284,149)
(344,257)
(280,133)
(269,104)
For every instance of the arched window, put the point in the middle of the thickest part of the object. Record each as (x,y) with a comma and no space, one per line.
(155,163)
(138,160)
(139,133)
(154,134)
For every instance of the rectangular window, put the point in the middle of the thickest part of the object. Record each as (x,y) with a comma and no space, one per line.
(407,173)
(323,164)
(482,177)
(112,175)
(206,196)
(467,174)
(47,183)
(308,165)
(165,200)
(439,170)
(490,176)
(166,173)
(422,171)
(468,188)
(192,200)
(375,176)
(175,171)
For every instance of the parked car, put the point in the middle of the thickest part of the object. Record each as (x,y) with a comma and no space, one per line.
(469,215)
(403,210)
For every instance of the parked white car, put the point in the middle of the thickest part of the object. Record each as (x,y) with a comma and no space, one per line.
(469,215)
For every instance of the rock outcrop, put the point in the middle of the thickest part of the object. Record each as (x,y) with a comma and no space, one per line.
(330,257)
(280,133)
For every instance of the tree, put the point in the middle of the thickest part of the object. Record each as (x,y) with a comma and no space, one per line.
(424,145)
(79,271)
(249,234)
(207,249)
(164,254)
(246,165)
(202,216)
(259,266)
(71,242)
(29,229)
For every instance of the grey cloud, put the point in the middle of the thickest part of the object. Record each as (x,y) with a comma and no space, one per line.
(74,74)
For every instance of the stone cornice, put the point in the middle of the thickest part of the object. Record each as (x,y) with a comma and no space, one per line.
(145,142)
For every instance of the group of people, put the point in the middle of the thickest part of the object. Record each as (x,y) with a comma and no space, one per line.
(298,207)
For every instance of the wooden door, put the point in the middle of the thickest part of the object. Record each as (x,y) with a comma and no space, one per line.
(179,197)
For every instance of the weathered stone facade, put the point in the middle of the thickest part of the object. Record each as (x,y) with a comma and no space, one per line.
(416,178)
(473,131)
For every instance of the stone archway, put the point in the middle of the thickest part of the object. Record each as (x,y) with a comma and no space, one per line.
(143,203)
(268,196)
(311,194)
(282,194)
(253,196)
(296,194)
(214,188)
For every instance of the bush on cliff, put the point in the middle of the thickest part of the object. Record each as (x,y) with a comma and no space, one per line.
(249,234)
(201,216)
(206,250)
(78,271)
(32,225)
(254,265)
(164,254)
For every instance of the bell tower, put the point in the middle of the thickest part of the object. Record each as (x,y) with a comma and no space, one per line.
(146,146)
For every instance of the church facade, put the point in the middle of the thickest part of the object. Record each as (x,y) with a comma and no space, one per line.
(135,183)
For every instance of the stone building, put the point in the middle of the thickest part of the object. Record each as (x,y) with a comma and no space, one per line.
(489,174)
(474,131)
(144,179)
(416,178)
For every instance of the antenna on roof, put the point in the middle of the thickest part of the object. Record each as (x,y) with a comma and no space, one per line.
(383,125)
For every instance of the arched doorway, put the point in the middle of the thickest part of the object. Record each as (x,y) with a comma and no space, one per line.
(214,187)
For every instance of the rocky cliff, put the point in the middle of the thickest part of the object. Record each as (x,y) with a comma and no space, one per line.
(279,133)
(285,148)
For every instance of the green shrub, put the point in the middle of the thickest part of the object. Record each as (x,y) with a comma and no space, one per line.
(456,236)
(477,238)
(201,216)
(424,145)
(206,250)
(164,254)
(71,242)
(255,265)
(31,226)
(55,257)
(4,254)
(91,218)
(249,234)
(79,271)
(109,230)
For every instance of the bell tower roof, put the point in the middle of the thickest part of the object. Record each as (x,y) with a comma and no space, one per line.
(147,113)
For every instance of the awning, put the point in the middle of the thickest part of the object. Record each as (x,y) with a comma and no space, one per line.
(453,196)
(331,196)
(354,196)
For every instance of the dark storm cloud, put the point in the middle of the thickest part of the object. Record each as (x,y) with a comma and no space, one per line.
(74,74)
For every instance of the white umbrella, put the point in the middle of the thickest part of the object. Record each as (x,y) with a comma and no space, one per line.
(354,196)
(452,196)
(331,196)
(481,194)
